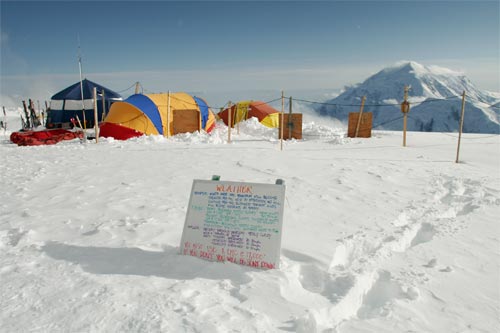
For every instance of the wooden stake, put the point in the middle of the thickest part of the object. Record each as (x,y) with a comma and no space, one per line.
(238,120)
(461,125)
(290,119)
(405,108)
(168,114)
(359,116)
(229,121)
(96,118)
(282,118)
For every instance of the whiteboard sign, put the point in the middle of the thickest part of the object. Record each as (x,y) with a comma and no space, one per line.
(234,221)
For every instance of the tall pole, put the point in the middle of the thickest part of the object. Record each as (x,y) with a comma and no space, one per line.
(103,115)
(282,118)
(461,125)
(96,118)
(168,114)
(359,116)
(290,123)
(81,83)
(405,108)
(137,87)
(229,121)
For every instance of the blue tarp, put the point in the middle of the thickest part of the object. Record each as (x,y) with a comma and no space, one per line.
(74,92)
(147,106)
(203,110)
(60,115)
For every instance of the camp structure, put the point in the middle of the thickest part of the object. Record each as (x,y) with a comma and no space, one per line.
(157,114)
(243,110)
(68,103)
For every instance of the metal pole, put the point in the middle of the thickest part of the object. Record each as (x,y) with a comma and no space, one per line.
(103,115)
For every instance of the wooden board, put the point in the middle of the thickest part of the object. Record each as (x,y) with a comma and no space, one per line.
(295,124)
(186,121)
(237,222)
(365,127)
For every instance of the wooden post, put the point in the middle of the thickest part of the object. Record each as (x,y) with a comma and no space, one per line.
(360,115)
(229,122)
(290,123)
(168,114)
(238,119)
(405,108)
(96,118)
(282,118)
(137,87)
(461,125)
(103,115)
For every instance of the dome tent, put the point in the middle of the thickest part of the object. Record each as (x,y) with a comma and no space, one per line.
(67,104)
(266,114)
(150,115)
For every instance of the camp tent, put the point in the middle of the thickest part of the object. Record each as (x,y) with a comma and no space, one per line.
(157,114)
(67,104)
(243,110)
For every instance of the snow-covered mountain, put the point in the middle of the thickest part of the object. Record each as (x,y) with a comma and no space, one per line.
(435,98)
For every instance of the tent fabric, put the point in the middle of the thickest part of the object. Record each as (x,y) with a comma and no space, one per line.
(74,92)
(154,114)
(140,110)
(266,114)
(178,102)
(131,116)
(118,132)
(68,104)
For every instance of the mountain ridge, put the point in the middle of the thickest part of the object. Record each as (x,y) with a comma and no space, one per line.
(435,98)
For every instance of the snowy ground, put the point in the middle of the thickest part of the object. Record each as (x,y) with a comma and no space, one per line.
(376,237)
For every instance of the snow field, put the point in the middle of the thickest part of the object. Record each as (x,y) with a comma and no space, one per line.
(376,237)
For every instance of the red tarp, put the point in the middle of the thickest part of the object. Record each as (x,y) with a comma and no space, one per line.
(37,138)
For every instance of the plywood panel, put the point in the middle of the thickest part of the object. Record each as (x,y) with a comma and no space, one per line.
(186,121)
(293,121)
(365,127)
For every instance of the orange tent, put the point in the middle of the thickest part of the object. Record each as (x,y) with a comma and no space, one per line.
(243,110)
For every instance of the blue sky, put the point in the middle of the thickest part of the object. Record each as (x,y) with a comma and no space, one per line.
(228,45)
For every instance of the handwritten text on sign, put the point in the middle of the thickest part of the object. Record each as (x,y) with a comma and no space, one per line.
(236,222)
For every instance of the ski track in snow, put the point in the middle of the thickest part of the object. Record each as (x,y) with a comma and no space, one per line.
(355,284)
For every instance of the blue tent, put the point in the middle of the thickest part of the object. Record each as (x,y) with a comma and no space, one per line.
(68,103)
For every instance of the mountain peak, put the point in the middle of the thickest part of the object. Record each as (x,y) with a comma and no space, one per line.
(444,86)
(418,69)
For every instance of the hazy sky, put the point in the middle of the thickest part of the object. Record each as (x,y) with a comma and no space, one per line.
(237,45)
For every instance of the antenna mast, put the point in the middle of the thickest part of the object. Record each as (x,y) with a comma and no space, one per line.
(81,82)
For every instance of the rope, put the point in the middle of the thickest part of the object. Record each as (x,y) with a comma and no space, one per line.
(430,100)
(481,137)
(126,89)
(387,122)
